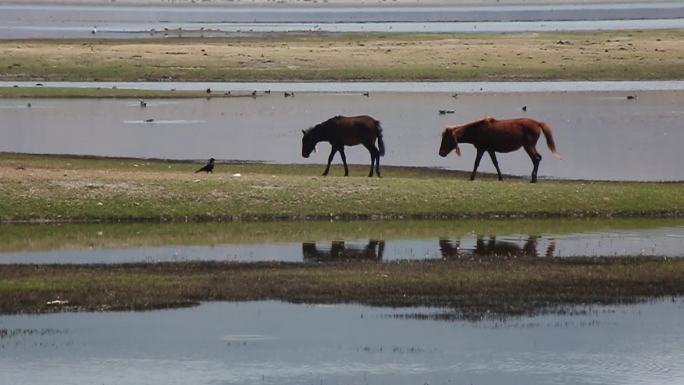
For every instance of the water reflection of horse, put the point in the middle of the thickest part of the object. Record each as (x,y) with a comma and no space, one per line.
(343,131)
(493,248)
(339,251)
(491,135)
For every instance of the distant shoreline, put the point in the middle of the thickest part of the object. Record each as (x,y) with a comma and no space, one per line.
(319,2)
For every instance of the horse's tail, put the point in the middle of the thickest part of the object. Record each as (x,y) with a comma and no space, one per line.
(548,134)
(381,143)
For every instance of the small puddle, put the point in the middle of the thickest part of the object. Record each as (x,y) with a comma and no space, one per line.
(339,241)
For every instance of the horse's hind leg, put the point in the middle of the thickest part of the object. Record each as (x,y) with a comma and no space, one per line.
(330,158)
(492,155)
(377,164)
(536,159)
(478,157)
(344,161)
(375,158)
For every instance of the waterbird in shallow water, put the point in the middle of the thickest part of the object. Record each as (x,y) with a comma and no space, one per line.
(208,168)
(143,103)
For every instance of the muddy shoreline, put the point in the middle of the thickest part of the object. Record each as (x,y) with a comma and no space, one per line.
(354,217)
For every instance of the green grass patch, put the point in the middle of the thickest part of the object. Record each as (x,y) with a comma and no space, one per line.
(59,188)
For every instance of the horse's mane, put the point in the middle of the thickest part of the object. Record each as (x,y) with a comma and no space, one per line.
(458,127)
(323,124)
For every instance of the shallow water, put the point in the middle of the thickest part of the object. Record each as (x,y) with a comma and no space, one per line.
(360,87)
(600,135)
(338,241)
(74,21)
(277,343)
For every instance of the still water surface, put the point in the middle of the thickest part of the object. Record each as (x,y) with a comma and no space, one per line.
(601,135)
(120,21)
(327,242)
(278,343)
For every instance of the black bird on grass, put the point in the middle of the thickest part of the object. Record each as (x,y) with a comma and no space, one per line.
(208,168)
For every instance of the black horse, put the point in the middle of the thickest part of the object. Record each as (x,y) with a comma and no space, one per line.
(343,131)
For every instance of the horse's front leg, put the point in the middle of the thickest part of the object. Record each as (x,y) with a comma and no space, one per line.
(344,161)
(478,157)
(496,163)
(333,150)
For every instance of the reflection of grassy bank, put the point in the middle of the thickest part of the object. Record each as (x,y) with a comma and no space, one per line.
(475,288)
(616,55)
(111,235)
(56,188)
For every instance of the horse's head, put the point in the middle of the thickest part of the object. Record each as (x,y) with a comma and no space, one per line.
(449,142)
(308,143)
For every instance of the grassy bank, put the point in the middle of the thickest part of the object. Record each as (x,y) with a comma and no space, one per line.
(617,55)
(471,288)
(56,188)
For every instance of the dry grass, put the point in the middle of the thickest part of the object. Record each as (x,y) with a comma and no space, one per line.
(510,56)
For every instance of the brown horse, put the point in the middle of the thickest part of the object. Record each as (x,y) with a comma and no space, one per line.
(343,131)
(491,135)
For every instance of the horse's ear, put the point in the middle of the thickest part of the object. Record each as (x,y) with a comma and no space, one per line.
(454,134)
(303,132)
